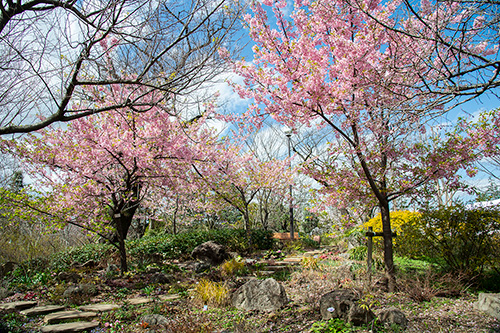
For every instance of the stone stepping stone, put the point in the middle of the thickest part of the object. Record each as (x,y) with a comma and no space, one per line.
(285,263)
(78,326)
(57,317)
(312,253)
(277,267)
(102,307)
(41,310)
(21,305)
(293,259)
(165,298)
(139,300)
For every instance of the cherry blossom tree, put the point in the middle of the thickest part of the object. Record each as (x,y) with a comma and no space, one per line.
(101,168)
(331,65)
(235,178)
(483,133)
(461,38)
(52,50)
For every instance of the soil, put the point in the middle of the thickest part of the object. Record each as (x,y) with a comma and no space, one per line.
(446,313)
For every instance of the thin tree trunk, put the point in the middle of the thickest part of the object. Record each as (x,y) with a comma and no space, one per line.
(388,252)
(246,217)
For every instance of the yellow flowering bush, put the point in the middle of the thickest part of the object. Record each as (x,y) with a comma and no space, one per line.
(400,220)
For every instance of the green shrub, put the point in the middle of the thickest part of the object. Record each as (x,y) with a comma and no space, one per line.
(181,245)
(60,261)
(358,253)
(459,239)
(309,243)
(233,267)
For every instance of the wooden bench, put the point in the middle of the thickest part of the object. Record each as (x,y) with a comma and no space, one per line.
(285,235)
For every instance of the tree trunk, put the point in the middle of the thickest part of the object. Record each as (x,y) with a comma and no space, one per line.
(388,253)
(246,217)
(122,221)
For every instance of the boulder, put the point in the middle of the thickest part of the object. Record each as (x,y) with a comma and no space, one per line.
(393,315)
(343,304)
(68,277)
(154,319)
(200,267)
(489,303)
(79,293)
(210,252)
(263,295)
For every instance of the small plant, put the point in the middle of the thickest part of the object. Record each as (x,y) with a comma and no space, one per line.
(331,326)
(272,254)
(368,301)
(310,263)
(148,290)
(295,246)
(211,293)
(233,267)
(358,253)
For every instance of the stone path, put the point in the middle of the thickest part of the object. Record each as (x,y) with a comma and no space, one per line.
(287,262)
(85,318)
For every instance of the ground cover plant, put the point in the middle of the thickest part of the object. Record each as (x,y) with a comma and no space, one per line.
(432,301)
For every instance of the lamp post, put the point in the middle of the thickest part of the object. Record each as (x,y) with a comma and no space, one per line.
(288,134)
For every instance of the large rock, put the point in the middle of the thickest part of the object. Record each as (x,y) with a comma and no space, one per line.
(154,319)
(68,277)
(343,304)
(393,315)
(81,293)
(83,289)
(262,295)
(489,303)
(211,252)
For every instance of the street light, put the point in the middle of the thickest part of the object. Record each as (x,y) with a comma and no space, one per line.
(288,133)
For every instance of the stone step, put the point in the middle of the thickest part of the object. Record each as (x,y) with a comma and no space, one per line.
(21,305)
(57,317)
(78,326)
(101,307)
(139,300)
(285,263)
(42,310)
(278,267)
(312,253)
(171,297)
(293,259)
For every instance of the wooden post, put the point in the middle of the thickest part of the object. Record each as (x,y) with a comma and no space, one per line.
(370,235)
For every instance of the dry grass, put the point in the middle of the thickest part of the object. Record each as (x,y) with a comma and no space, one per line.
(211,293)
